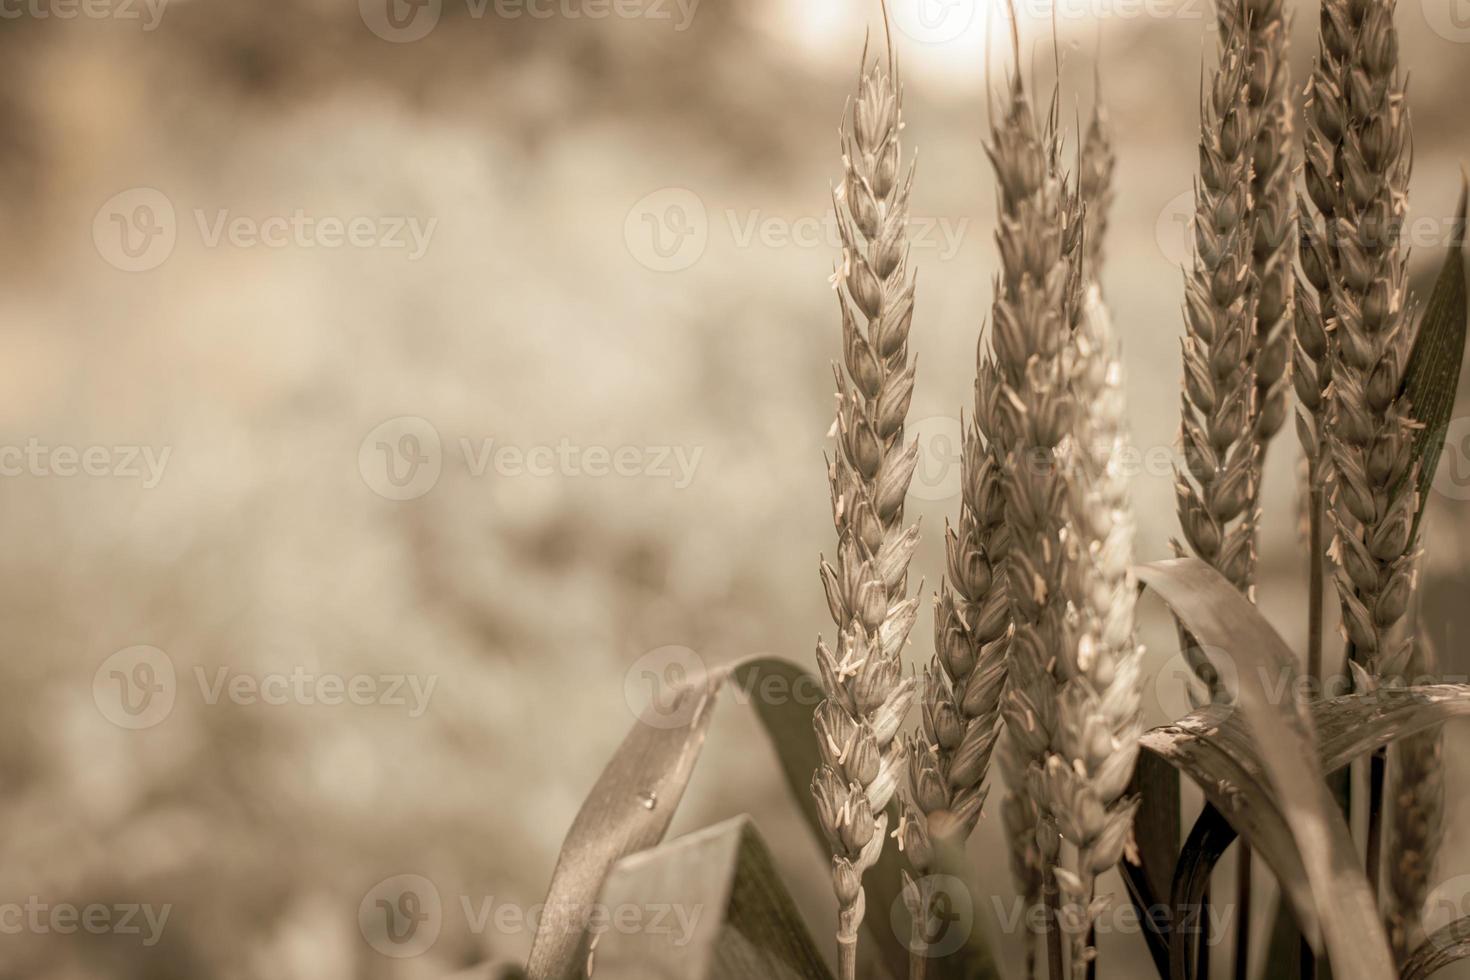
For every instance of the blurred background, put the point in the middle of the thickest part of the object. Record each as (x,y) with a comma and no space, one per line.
(385,386)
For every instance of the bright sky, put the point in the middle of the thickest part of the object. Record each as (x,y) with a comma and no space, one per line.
(942,39)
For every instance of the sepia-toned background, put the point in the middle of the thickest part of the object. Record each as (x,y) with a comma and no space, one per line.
(388,391)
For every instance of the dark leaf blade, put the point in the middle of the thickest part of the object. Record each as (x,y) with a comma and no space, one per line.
(1207,842)
(731,915)
(1432,374)
(1228,625)
(1156,833)
(1213,748)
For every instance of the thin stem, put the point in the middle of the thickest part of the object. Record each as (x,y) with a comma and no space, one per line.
(918,964)
(1377,773)
(1207,936)
(1243,912)
(1314,590)
(1052,896)
(847,945)
(919,947)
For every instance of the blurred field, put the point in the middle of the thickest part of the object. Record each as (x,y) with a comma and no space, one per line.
(542,157)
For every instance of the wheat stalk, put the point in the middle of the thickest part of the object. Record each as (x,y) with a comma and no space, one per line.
(1417,822)
(866,695)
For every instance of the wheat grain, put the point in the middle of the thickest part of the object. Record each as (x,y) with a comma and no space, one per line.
(866,696)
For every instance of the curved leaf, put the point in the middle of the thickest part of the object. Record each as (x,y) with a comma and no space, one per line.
(1432,373)
(716,910)
(1212,747)
(1228,626)
(630,808)
(1444,946)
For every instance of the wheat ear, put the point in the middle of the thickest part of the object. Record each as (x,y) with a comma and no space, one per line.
(866,694)
(1215,489)
(1357,178)
(949,755)
(1026,409)
(1261,26)
(1098,723)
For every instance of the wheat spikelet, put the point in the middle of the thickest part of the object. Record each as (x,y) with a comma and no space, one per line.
(1357,178)
(866,695)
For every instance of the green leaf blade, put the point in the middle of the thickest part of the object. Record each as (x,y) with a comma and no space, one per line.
(1432,375)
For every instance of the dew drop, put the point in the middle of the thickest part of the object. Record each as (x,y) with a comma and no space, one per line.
(649,799)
